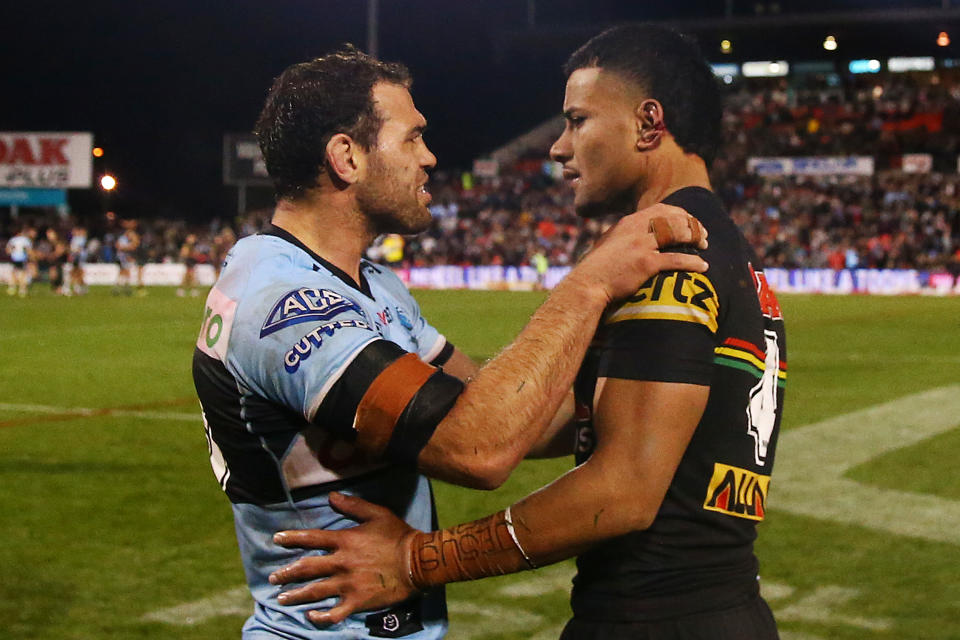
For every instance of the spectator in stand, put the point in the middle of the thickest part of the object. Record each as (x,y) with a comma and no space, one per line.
(889,220)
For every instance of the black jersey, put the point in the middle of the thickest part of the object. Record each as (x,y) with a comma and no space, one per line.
(723,329)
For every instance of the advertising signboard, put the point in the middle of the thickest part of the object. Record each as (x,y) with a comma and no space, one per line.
(46,160)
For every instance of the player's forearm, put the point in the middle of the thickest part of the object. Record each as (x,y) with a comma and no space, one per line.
(511,400)
(560,521)
(559,439)
(643,429)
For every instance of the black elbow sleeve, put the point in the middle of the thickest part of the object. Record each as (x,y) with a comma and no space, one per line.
(421,416)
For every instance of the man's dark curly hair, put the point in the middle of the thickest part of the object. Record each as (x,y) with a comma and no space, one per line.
(311,102)
(666,66)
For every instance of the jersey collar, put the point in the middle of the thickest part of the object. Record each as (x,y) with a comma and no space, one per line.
(363,286)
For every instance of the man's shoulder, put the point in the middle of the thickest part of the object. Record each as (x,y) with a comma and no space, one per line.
(386,278)
(269,283)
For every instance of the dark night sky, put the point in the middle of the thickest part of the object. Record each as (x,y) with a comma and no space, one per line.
(159,83)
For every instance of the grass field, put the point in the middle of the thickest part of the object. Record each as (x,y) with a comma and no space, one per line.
(113,526)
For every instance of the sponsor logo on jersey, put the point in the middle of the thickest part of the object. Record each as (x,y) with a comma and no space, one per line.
(305,346)
(385,316)
(737,492)
(214,338)
(678,295)
(306,305)
(404,320)
(769,304)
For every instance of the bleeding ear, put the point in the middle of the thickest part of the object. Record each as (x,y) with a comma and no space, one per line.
(344,158)
(650,124)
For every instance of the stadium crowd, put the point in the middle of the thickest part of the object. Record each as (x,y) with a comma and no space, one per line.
(891,219)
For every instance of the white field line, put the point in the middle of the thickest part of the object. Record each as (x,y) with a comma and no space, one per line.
(476,620)
(88,328)
(234,602)
(106,413)
(808,480)
(873,358)
(808,477)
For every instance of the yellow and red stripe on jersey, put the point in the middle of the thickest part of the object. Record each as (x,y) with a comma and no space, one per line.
(737,492)
(677,295)
(746,356)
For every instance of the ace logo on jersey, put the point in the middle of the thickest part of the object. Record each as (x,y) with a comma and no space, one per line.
(306,305)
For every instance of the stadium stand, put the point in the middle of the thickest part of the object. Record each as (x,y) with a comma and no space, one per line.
(902,215)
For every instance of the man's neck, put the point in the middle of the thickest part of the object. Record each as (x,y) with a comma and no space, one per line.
(331,227)
(672,171)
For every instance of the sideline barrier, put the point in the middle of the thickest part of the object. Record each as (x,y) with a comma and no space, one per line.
(99,273)
(825,281)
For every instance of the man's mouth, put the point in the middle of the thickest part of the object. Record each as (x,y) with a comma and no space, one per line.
(570,174)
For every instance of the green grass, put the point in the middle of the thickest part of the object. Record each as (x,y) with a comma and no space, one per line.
(107,518)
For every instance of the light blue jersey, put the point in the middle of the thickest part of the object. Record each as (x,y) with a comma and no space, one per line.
(19,247)
(281,329)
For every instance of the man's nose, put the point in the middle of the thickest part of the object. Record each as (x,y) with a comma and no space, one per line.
(560,150)
(427,159)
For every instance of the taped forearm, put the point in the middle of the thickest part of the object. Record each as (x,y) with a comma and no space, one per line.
(479,549)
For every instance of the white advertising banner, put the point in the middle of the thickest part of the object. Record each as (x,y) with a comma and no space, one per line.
(820,281)
(152,274)
(812,166)
(486,168)
(99,273)
(46,160)
(917,163)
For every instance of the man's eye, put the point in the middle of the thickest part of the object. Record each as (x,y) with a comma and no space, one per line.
(576,121)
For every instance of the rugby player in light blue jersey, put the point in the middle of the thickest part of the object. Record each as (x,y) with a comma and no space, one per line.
(315,369)
(20,249)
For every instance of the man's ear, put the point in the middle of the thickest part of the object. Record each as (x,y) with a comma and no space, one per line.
(650,124)
(345,158)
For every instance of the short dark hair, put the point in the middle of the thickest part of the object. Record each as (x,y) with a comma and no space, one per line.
(311,102)
(669,67)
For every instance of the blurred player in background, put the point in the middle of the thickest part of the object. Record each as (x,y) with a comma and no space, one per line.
(222,243)
(188,258)
(392,248)
(42,254)
(542,265)
(20,249)
(315,368)
(141,256)
(679,398)
(78,258)
(56,258)
(127,244)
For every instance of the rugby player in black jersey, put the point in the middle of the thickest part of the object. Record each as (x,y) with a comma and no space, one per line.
(678,401)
